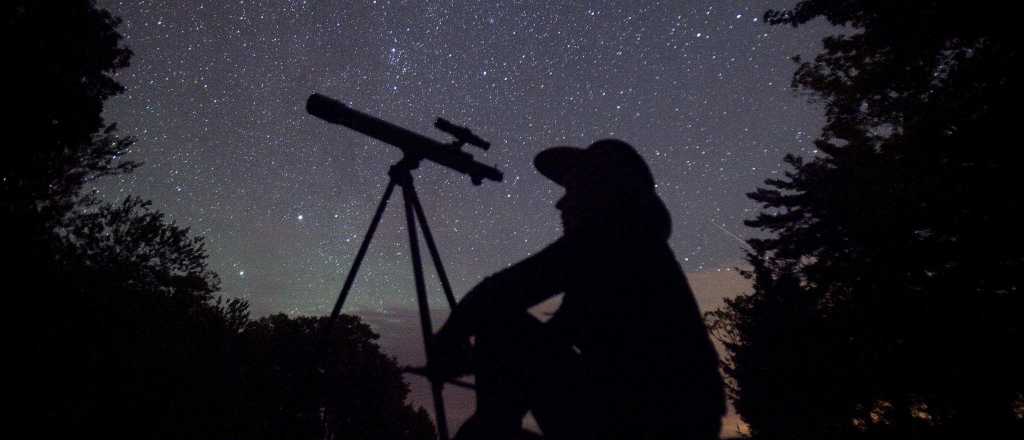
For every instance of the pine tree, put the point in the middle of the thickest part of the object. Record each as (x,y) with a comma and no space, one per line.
(885,295)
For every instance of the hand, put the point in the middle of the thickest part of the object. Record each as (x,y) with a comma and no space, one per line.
(451,355)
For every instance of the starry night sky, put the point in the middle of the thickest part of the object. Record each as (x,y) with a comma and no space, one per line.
(216,94)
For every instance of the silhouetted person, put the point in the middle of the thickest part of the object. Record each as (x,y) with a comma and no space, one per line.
(626,355)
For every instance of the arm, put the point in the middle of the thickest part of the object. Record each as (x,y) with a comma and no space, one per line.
(513,289)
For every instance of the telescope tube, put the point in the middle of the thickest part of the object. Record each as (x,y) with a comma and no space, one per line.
(411,143)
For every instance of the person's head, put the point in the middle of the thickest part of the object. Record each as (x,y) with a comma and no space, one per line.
(607,185)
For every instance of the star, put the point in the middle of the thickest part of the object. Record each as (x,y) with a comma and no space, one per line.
(215,97)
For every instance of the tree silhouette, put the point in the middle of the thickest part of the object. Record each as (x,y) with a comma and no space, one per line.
(123,335)
(135,342)
(57,140)
(66,53)
(886,299)
(362,397)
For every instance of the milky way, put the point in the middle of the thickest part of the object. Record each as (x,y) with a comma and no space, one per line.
(216,93)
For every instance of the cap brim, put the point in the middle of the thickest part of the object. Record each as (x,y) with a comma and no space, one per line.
(556,162)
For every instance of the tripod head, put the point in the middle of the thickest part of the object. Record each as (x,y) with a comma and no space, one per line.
(415,146)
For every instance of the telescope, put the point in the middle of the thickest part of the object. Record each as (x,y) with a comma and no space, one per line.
(414,145)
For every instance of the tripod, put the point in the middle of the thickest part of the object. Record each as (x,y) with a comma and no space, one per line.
(400,175)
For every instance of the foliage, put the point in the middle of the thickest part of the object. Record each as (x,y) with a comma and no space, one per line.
(886,299)
(66,53)
(131,242)
(362,394)
(123,335)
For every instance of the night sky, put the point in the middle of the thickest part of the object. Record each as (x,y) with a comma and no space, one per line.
(216,94)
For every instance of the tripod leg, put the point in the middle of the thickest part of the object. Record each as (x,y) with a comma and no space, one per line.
(432,247)
(358,261)
(325,332)
(436,387)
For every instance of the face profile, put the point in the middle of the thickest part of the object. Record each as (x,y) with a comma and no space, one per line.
(575,206)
